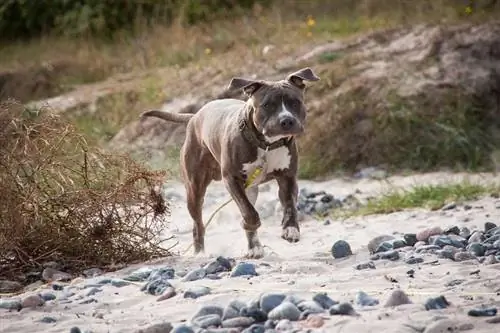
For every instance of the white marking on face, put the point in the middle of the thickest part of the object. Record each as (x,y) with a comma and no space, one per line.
(284,111)
(276,160)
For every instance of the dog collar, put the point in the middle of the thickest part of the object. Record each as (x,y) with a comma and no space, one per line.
(252,135)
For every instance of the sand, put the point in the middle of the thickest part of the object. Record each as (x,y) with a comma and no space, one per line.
(302,268)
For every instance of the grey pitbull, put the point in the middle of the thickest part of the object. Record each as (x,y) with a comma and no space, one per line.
(245,144)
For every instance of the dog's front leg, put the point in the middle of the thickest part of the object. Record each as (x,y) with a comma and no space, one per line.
(288,191)
(245,200)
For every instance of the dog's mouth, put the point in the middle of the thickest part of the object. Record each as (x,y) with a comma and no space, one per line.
(272,135)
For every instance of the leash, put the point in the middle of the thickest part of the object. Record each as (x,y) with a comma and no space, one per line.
(250,180)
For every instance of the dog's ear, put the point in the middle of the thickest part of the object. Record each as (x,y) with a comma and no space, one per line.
(297,78)
(249,86)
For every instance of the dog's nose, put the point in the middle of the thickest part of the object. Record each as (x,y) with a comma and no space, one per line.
(287,123)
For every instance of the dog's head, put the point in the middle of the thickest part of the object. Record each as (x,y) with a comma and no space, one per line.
(279,109)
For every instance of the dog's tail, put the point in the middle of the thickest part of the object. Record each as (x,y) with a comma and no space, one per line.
(175,117)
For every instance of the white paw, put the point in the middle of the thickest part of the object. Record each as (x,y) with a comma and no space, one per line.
(256,252)
(291,234)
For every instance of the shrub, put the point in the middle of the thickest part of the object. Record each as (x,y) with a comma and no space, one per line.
(65,201)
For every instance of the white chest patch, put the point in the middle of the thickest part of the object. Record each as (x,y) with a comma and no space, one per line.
(273,160)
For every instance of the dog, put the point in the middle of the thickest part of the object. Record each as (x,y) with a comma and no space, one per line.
(244,144)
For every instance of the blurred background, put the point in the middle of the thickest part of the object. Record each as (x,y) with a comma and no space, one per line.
(406,85)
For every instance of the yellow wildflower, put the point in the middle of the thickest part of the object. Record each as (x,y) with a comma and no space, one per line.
(208,51)
(310,21)
(468,10)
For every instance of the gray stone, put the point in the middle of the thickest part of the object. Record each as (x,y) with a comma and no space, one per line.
(413,260)
(374,244)
(284,325)
(396,298)
(255,328)
(365,265)
(195,274)
(48,296)
(489,226)
(243,269)
(48,320)
(32,301)
(410,239)
(156,287)
(10,304)
(324,300)
(476,237)
(207,310)
(92,291)
(310,306)
(238,322)
(51,274)
(463,256)
(441,326)
(477,249)
(207,321)
(363,299)
(269,301)
(341,249)
(183,328)
(342,309)
(195,292)
(232,310)
(286,310)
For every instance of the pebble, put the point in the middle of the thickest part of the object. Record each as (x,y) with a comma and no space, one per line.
(257,314)
(48,320)
(413,260)
(208,310)
(157,328)
(220,264)
(93,291)
(156,287)
(118,283)
(286,310)
(255,328)
(195,274)
(32,301)
(363,299)
(377,241)
(243,269)
(207,321)
(57,287)
(232,310)
(310,306)
(365,265)
(454,230)
(410,239)
(238,322)
(75,329)
(436,303)
(483,312)
(427,249)
(476,249)
(183,329)
(324,300)
(196,292)
(448,252)
(7,286)
(51,274)
(392,255)
(269,301)
(463,256)
(165,273)
(314,321)
(10,304)
(284,325)
(465,233)
(424,235)
(341,249)
(167,294)
(443,240)
(342,309)
(476,237)
(396,298)
(489,226)
(48,297)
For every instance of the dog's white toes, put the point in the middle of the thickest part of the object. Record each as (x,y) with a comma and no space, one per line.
(256,252)
(291,234)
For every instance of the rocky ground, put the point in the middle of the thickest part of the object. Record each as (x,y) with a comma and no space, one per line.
(411,271)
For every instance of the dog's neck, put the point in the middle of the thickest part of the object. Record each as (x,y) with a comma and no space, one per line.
(254,136)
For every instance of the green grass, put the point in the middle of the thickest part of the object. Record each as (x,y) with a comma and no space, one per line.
(431,197)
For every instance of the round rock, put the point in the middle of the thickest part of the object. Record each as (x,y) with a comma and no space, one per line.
(286,310)
(341,249)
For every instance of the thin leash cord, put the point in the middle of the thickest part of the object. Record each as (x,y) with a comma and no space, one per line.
(249,182)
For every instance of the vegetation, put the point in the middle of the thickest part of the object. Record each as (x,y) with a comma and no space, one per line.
(63,200)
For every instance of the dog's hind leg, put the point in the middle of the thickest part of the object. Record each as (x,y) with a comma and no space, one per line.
(196,180)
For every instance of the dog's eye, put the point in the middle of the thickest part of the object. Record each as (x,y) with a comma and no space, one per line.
(294,104)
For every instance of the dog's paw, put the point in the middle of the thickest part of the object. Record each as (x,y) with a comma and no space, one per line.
(291,234)
(256,252)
